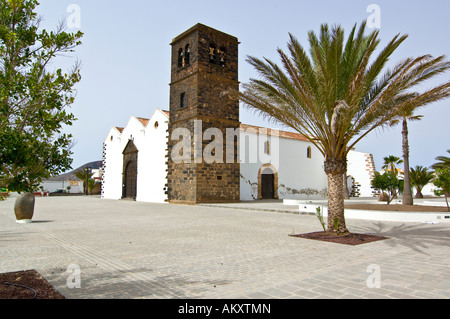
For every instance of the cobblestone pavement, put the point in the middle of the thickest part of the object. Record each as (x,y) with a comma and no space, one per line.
(127,249)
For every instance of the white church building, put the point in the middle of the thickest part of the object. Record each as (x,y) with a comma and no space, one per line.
(288,162)
(148,160)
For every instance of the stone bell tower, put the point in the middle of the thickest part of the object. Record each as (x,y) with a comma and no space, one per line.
(204,71)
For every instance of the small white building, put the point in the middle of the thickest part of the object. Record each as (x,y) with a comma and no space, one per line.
(274,164)
(68,182)
(72,187)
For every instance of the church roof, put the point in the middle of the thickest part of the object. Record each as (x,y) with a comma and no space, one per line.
(270,131)
(244,127)
(144,121)
(198,27)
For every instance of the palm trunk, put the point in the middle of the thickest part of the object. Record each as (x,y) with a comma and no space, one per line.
(407,194)
(336,219)
(419,193)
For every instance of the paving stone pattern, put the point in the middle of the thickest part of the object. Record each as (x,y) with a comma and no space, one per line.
(128,249)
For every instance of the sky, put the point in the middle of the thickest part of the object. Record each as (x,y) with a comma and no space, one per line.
(126,54)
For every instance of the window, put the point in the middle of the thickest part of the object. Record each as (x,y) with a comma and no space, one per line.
(267,147)
(217,56)
(180,58)
(308,152)
(187,55)
(212,53)
(156,125)
(222,56)
(182,100)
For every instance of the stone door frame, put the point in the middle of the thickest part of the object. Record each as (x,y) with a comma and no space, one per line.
(275,180)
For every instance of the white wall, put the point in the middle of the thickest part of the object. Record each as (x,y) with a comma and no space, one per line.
(361,167)
(152,175)
(299,177)
(53,186)
(112,165)
(151,171)
(304,176)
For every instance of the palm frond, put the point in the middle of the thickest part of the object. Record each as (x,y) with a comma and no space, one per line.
(340,91)
(420,176)
(443,162)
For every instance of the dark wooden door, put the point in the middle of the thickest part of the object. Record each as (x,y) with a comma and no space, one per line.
(267,186)
(130,181)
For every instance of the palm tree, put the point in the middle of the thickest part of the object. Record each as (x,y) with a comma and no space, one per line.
(337,95)
(442,177)
(420,176)
(390,162)
(84,175)
(443,162)
(407,198)
(91,185)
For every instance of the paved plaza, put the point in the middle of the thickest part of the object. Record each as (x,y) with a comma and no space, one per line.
(126,249)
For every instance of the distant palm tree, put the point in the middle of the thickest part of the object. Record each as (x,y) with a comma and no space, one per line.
(91,185)
(84,175)
(443,162)
(390,163)
(407,198)
(420,176)
(337,95)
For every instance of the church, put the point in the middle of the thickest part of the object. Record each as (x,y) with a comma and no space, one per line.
(198,151)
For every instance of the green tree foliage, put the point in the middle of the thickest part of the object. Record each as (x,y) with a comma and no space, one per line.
(91,185)
(390,163)
(339,91)
(443,162)
(33,100)
(85,176)
(442,182)
(388,182)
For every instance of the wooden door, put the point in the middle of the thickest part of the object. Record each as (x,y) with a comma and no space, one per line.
(130,180)
(267,186)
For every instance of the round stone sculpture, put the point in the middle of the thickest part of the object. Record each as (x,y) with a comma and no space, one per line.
(24,208)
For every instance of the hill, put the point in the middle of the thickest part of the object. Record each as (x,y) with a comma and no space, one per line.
(70,176)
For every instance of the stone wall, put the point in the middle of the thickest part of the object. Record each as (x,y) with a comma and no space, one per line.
(202,92)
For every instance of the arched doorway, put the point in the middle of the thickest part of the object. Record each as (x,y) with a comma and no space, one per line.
(267,182)
(129,184)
